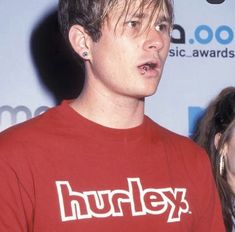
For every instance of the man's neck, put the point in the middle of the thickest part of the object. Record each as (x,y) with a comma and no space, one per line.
(109,111)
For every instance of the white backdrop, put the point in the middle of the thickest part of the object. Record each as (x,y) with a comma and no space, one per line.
(201,62)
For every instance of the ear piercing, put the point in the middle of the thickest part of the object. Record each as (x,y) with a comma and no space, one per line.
(84,54)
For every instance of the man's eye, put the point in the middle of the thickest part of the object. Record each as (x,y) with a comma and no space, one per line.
(133,24)
(163,27)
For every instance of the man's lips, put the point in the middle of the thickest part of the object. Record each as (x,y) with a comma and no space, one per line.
(151,67)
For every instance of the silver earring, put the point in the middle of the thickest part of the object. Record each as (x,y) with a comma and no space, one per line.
(84,54)
(221,165)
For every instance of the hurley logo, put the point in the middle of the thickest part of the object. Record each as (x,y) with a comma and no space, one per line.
(114,203)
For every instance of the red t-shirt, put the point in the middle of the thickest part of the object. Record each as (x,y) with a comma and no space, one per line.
(61,172)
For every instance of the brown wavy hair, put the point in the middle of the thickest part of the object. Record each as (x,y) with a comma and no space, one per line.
(219,117)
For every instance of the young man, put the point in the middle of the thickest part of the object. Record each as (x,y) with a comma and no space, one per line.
(97,163)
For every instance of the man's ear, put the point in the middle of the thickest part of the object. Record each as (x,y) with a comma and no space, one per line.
(79,41)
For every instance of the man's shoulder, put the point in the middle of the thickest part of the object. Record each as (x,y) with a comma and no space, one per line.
(27,130)
(183,154)
(165,133)
(22,140)
(173,140)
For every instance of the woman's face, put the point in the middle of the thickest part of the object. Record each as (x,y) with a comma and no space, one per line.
(229,152)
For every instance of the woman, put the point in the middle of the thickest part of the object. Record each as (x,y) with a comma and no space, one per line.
(216,133)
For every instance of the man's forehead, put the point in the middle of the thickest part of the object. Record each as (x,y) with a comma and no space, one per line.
(139,8)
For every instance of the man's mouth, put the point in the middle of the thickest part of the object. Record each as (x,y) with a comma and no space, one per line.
(148,67)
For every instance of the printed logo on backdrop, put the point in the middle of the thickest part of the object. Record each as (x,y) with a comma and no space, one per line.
(197,41)
(203,40)
(215,1)
(12,115)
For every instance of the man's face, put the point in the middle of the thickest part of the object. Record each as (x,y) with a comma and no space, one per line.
(129,57)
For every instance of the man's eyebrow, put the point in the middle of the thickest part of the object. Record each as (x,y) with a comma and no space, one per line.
(163,18)
(159,18)
(138,15)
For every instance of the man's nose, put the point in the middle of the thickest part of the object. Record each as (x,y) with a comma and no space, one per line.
(154,41)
